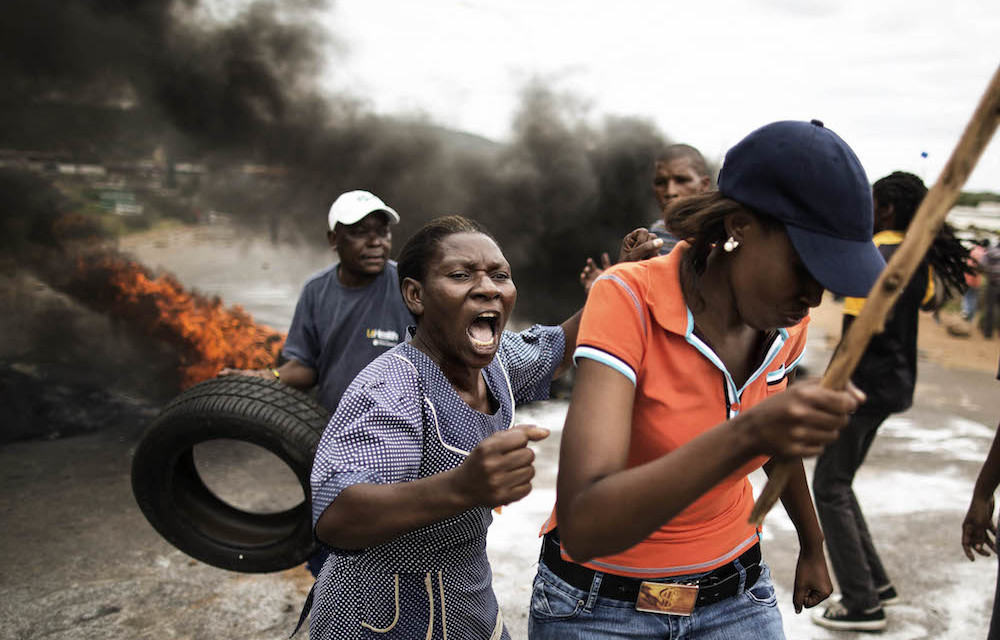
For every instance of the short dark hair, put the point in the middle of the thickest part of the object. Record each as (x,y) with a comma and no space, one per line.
(675,151)
(420,248)
(904,191)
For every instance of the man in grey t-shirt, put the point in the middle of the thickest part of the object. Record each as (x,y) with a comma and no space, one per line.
(349,313)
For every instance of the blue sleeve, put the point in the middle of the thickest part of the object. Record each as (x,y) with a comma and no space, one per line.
(302,342)
(374,437)
(530,358)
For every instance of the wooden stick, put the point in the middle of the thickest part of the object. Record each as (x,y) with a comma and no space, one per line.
(919,236)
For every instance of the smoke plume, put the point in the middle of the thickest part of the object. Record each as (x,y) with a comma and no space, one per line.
(233,86)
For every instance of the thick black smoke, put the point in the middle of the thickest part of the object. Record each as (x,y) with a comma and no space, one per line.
(102,80)
(165,63)
(563,191)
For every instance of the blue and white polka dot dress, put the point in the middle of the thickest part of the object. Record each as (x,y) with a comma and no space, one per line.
(401,420)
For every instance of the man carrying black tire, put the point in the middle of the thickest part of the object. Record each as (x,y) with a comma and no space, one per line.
(348,313)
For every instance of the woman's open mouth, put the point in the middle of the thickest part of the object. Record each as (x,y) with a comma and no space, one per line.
(483,330)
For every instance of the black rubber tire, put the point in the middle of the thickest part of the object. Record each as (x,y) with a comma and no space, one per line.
(183,510)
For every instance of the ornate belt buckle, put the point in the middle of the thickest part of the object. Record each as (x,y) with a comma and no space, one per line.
(665,597)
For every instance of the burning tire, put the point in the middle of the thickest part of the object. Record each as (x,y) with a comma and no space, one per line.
(175,499)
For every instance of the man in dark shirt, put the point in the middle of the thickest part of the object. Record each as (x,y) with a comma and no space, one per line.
(348,313)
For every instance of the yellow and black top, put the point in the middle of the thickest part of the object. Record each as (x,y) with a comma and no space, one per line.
(887,372)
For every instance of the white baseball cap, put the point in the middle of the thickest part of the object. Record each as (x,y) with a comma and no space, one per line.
(352,206)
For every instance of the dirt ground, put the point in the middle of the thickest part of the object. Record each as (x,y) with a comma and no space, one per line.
(79,561)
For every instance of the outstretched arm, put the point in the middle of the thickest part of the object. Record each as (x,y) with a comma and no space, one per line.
(592,272)
(293,373)
(978,528)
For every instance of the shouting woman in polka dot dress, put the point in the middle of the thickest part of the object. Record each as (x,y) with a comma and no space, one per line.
(423,446)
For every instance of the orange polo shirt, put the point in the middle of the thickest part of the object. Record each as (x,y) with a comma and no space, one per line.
(636,322)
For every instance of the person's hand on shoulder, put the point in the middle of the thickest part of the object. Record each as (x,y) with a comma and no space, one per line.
(639,244)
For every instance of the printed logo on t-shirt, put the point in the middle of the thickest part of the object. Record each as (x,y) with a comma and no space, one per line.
(382,337)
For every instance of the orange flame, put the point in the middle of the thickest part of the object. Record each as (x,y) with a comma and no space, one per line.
(207,336)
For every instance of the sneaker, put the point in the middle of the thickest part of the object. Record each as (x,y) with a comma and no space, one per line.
(887,595)
(837,616)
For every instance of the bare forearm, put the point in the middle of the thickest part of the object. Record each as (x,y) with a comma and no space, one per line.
(798,505)
(570,327)
(295,374)
(656,493)
(366,515)
(989,475)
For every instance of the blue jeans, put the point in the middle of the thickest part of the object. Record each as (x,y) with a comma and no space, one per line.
(560,611)
(970,301)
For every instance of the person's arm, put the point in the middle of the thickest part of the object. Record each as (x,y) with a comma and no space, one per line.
(571,328)
(592,272)
(638,244)
(497,472)
(293,373)
(812,578)
(633,503)
(978,528)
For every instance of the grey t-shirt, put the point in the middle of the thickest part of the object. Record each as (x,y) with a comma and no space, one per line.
(338,330)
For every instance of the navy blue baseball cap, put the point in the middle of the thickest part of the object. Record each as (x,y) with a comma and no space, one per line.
(806,176)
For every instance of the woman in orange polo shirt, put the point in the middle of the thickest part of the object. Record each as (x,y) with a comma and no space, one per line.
(681,360)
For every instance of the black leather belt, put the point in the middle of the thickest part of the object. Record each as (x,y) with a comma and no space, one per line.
(722,582)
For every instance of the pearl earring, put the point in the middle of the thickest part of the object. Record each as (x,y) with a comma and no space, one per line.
(730,245)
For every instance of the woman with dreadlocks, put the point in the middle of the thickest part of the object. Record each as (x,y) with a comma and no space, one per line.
(887,374)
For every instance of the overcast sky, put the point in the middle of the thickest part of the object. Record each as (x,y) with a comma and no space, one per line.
(894,78)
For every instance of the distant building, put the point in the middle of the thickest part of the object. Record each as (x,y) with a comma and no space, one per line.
(120,202)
